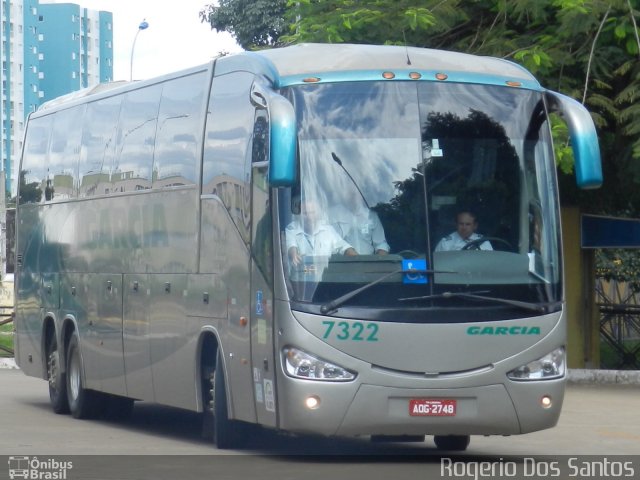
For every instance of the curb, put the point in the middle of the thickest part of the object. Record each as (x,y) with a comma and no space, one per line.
(575,376)
(603,377)
(8,363)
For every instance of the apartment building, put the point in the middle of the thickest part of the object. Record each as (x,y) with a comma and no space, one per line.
(48,49)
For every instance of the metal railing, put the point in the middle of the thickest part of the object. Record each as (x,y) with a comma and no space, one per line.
(619,308)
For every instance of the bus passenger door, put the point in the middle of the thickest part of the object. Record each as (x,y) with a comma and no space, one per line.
(262,355)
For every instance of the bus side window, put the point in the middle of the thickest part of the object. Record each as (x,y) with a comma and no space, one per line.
(175,161)
(64,154)
(226,169)
(260,144)
(33,173)
(136,139)
(98,146)
(262,242)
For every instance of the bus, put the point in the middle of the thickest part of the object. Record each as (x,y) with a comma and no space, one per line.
(156,220)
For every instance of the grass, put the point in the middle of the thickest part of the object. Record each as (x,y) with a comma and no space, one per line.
(6,339)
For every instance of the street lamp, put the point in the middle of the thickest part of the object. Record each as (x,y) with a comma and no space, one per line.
(143,26)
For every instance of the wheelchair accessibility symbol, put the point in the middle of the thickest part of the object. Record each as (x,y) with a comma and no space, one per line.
(259,306)
(414,277)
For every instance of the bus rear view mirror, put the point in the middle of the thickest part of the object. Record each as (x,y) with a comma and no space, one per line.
(584,141)
(282,168)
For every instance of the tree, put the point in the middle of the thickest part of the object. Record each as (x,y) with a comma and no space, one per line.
(253,23)
(587,49)
(351,21)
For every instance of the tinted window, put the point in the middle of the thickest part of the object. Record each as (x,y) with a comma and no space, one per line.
(98,146)
(262,245)
(396,162)
(179,131)
(33,173)
(64,152)
(227,154)
(136,138)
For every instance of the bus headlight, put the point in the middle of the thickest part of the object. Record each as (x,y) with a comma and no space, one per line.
(550,366)
(300,364)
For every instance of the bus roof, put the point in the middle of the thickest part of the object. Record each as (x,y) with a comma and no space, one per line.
(316,59)
(287,65)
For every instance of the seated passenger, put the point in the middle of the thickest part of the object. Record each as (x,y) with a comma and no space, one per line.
(467,224)
(361,227)
(311,235)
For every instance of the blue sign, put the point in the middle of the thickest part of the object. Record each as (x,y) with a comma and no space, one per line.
(419,276)
(609,232)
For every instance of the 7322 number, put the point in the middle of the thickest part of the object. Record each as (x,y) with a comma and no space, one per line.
(354,331)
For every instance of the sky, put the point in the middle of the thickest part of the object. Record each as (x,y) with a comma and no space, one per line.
(175,38)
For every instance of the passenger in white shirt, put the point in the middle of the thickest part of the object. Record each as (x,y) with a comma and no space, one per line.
(311,235)
(467,224)
(361,228)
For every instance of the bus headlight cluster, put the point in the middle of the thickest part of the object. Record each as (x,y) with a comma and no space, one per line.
(550,366)
(300,364)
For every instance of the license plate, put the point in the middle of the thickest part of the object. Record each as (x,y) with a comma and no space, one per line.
(432,407)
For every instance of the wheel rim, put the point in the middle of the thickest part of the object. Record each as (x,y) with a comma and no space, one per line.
(53,367)
(74,376)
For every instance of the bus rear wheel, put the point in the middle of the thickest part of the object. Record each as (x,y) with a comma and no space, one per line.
(453,443)
(57,378)
(83,403)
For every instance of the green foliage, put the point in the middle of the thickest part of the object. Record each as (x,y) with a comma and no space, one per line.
(535,59)
(6,339)
(253,23)
(619,265)
(587,49)
(564,154)
(352,21)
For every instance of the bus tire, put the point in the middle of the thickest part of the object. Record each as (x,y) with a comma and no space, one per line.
(227,433)
(83,403)
(453,443)
(56,377)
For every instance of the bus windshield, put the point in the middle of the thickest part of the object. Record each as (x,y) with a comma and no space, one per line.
(438,199)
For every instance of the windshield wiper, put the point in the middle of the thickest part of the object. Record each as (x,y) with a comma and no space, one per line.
(533,307)
(333,304)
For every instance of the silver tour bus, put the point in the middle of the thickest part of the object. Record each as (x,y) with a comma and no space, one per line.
(274,239)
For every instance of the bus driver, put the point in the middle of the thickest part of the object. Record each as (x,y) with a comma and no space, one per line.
(466,226)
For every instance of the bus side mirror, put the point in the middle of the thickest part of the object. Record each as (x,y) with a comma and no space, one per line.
(282,167)
(584,139)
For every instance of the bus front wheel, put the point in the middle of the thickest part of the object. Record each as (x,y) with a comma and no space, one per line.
(83,403)
(226,433)
(454,443)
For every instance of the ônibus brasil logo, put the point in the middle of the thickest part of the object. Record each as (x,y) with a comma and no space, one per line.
(516,330)
(35,469)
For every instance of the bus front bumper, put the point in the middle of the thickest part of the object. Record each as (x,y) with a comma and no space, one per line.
(352,410)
